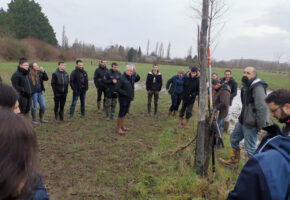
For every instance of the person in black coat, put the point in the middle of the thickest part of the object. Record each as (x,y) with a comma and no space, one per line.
(38,75)
(153,87)
(190,91)
(125,89)
(59,83)
(0,79)
(174,86)
(79,84)
(23,84)
(111,79)
(99,78)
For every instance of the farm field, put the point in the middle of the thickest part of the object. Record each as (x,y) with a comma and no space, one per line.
(84,158)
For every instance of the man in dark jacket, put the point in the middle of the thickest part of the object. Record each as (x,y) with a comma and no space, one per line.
(221,101)
(125,89)
(79,84)
(23,84)
(190,91)
(153,87)
(234,88)
(174,86)
(59,83)
(253,118)
(111,80)
(99,78)
(266,175)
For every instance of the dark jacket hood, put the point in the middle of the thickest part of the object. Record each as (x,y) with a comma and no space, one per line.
(258,82)
(101,67)
(23,71)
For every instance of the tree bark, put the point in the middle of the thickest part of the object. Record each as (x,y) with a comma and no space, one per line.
(202,131)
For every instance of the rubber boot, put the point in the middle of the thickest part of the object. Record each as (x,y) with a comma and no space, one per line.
(41,116)
(169,114)
(186,123)
(149,109)
(180,121)
(71,113)
(233,162)
(56,116)
(119,127)
(99,106)
(113,113)
(123,125)
(61,116)
(107,114)
(155,109)
(33,114)
(83,111)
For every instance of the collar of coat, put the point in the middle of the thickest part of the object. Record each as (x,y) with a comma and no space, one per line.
(158,73)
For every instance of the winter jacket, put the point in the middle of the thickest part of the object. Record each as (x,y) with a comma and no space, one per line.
(255,112)
(22,83)
(172,84)
(39,87)
(110,75)
(135,79)
(59,82)
(221,100)
(125,87)
(267,174)
(154,81)
(190,88)
(234,88)
(99,76)
(79,80)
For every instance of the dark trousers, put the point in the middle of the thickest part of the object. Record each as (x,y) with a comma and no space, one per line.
(59,102)
(24,104)
(76,96)
(156,96)
(101,90)
(175,101)
(124,107)
(186,107)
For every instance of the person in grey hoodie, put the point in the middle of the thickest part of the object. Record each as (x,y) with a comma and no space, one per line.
(253,118)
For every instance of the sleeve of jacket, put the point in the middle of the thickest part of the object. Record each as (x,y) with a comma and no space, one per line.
(251,184)
(137,78)
(147,82)
(15,80)
(119,88)
(234,89)
(107,79)
(224,100)
(262,113)
(160,86)
(96,78)
(71,81)
(44,76)
(87,82)
(53,82)
(168,83)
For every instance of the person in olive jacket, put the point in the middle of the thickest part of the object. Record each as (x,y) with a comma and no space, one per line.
(190,91)
(125,89)
(111,80)
(153,87)
(59,83)
(99,78)
(79,84)
(23,84)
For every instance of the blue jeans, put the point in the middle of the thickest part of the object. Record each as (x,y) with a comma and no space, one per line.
(38,97)
(249,134)
(175,101)
(76,95)
(220,124)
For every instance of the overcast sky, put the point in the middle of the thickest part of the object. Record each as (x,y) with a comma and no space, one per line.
(258,29)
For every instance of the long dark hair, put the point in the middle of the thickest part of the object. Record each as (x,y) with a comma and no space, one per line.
(18,156)
(33,74)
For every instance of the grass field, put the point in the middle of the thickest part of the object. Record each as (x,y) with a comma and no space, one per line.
(86,159)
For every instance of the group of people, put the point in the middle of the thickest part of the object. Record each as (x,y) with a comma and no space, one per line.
(265,175)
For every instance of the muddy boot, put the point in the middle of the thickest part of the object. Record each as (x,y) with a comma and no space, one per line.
(99,106)
(148,109)
(169,114)
(56,116)
(123,126)
(233,162)
(155,109)
(71,113)
(61,116)
(180,121)
(226,126)
(186,123)
(107,114)
(33,114)
(41,116)
(119,127)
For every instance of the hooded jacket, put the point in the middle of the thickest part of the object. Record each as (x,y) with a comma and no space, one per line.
(255,113)
(154,81)
(99,76)
(22,83)
(190,88)
(172,83)
(59,82)
(79,80)
(221,100)
(234,88)
(267,174)
(125,87)
(111,87)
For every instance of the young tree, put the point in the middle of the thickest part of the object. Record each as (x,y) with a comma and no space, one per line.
(64,42)
(168,51)
(148,44)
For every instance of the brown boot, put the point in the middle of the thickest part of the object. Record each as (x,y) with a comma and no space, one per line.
(123,126)
(233,162)
(186,123)
(174,113)
(119,126)
(180,121)
(169,114)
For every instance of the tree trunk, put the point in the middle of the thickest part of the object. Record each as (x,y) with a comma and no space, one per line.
(202,131)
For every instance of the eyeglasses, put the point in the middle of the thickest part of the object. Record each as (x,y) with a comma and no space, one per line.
(275,110)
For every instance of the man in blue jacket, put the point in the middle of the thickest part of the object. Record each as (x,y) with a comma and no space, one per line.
(267,174)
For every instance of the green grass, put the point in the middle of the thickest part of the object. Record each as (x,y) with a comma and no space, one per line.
(86,159)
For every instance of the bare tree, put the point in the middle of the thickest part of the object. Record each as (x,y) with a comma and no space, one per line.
(156,49)
(64,42)
(161,50)
(189,53)
(278,56)
(168,50)
(148,44)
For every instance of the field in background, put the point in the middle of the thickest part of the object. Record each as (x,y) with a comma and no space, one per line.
(86,159)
